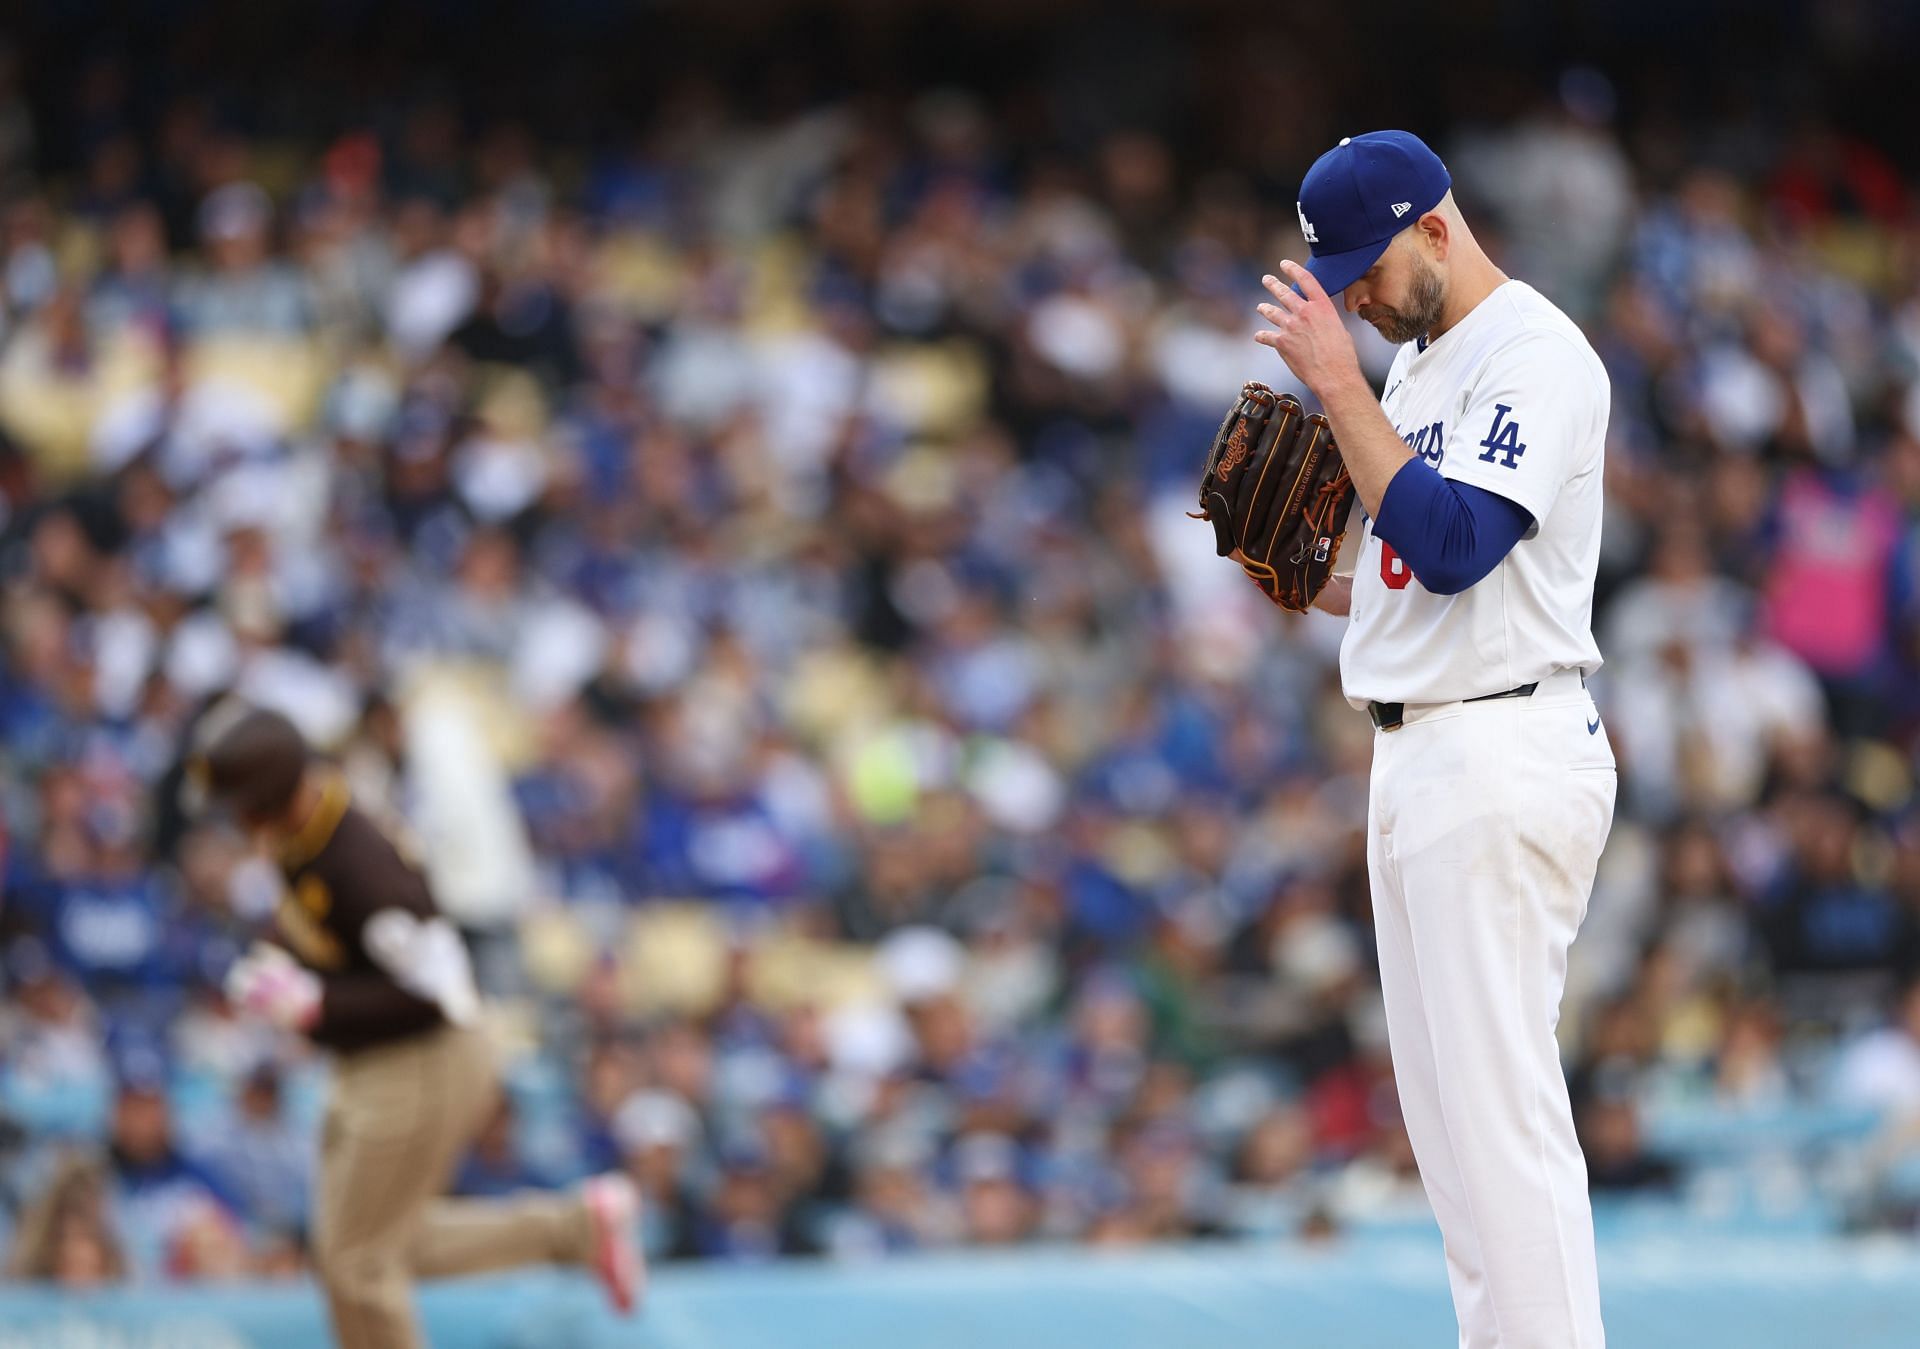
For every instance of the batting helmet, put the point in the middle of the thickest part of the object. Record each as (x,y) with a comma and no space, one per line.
(249,760)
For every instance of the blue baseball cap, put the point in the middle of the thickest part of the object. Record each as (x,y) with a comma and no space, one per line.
(1361,193)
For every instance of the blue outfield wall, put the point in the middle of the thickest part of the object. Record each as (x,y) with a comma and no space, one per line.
(1660,1294)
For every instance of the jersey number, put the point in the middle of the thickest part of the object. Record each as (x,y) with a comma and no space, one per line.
(1393,568)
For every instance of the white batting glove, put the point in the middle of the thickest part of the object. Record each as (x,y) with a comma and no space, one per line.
(427,959)
(270,984)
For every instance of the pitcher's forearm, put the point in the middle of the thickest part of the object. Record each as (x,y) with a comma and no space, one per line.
(1372,450)
(1336,597)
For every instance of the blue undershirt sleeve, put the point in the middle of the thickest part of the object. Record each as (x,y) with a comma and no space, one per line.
(1449,533)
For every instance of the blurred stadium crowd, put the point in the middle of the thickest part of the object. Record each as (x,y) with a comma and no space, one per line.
(750,566)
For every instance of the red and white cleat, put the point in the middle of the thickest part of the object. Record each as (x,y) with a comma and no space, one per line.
(613,1205)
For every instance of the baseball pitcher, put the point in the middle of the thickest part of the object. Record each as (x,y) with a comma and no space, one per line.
(1477,479)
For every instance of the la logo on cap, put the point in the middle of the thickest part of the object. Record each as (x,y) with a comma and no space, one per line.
(1359,195)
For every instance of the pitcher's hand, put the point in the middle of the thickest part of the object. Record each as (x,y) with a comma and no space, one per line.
(1308,332)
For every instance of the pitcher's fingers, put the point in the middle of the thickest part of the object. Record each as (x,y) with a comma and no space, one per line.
(1309,284)
(1285,295)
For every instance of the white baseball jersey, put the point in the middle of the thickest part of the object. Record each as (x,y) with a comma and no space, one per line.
(1511,399)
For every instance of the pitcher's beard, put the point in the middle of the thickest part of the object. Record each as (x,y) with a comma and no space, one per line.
(1426,297)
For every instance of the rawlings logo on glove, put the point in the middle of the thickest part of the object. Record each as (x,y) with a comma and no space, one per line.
(1277,494)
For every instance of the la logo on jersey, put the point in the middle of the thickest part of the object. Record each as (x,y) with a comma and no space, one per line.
(1503,440)
(1306,225)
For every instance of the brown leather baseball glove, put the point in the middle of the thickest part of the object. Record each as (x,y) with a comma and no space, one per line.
(1277,494)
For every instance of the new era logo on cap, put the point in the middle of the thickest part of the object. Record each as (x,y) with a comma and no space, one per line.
(1357,197)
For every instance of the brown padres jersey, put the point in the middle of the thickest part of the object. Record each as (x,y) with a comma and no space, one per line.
(341,871)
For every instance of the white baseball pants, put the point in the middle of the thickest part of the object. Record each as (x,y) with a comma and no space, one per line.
(1485,823)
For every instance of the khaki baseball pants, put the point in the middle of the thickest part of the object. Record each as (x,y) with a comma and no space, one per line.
(399,1120)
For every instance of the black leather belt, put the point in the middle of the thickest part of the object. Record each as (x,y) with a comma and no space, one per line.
(1391,716)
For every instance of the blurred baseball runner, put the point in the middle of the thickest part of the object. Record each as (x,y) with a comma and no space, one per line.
(1470,595)
(377,976)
